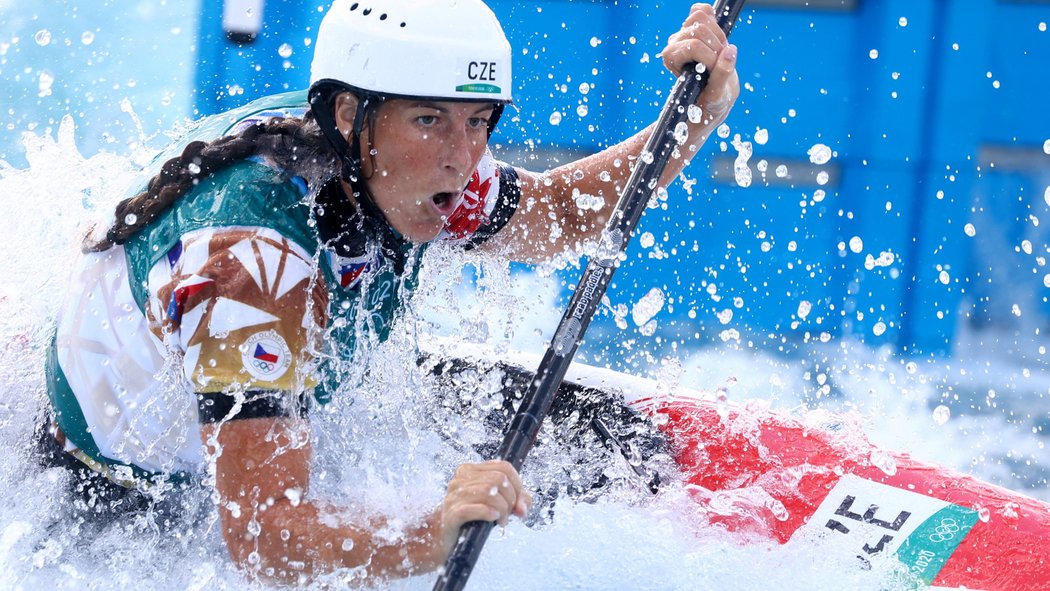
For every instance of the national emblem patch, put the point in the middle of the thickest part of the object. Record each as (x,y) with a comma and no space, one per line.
(266,355)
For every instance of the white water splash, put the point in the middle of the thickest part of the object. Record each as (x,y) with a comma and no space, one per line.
(628,540)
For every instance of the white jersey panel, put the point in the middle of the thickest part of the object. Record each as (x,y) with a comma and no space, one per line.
(139,409)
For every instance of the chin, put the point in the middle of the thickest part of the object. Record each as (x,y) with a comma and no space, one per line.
(420,234)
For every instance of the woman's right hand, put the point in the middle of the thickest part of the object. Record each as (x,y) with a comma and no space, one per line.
(489,491)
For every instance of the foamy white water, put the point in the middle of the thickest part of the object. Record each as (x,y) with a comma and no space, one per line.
(382,453)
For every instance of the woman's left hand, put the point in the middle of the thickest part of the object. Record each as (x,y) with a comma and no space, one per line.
(701,41)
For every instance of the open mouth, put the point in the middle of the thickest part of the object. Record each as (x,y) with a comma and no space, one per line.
(445,202)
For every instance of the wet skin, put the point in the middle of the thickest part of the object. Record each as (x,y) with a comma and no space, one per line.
(418,158)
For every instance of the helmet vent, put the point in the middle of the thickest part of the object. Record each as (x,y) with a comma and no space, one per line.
(382,17)
(354,6)
(367,11)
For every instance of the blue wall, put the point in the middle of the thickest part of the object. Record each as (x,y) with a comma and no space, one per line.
(935,111)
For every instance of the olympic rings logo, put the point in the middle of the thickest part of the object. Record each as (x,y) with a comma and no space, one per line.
(945,531)
(264,366)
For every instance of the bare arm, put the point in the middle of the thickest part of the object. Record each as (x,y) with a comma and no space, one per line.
(549,220)
(274,529)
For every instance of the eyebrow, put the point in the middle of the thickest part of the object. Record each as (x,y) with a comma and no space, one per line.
(437,107)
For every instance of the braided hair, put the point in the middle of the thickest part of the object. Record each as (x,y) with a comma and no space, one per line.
(293,144)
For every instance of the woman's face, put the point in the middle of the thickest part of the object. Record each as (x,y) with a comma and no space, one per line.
(423,155)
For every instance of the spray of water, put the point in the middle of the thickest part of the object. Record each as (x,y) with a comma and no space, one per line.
(388,447)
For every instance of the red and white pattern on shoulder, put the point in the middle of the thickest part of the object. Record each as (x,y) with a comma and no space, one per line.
(479,199)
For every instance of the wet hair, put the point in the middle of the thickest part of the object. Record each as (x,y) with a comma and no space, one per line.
(295,145)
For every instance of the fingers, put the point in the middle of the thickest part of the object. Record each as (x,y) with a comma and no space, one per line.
(489,491)
(700,40)
(723,86)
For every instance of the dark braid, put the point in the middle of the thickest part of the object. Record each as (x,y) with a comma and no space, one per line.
(295,145)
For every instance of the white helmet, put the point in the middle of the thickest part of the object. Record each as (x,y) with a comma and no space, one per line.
(434,49)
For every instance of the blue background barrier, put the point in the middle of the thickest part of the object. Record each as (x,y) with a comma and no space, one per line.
(927,215)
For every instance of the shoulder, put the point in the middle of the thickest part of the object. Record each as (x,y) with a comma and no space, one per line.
(289,105)
(248,193)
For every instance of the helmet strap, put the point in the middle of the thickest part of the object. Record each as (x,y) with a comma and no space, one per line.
(373,220)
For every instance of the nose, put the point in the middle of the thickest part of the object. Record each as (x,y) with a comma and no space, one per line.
(458,154)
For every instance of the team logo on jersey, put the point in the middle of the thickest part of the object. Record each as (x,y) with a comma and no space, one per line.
(266,356)
(350,269)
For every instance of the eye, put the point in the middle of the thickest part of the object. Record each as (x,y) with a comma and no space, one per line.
(478,122)
(427,120)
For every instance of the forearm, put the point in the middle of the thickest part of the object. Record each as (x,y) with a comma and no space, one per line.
(293,541)
(606,173)
(566,207)
(570,205)
(273,528)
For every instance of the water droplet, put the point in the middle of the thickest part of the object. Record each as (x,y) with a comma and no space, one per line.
(647,240)
(44,83)
(1015,310)
(1046,195)
(723,131)
(741,170)
(646,156)
(819,154)
(585,88)
(884,460)
(1046,280)
(984,514)
(819,195)
(903,21)
(970,230)
(1046,147)
(647,307)
(194,168)
(822,177)
(285,50)
(294,496)
(761,137)
(856,244)
(725,316)
(873,54)
(804,308)
(944,277)
(581,110)
(595,42)
(130,219)
(1042,27)
(42,37)
(555,118)
(879,329)
(941,414)
(781,171)
(87,38)
(681,132)
(696,115)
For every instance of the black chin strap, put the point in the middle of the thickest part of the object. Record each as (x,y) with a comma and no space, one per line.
(372,220)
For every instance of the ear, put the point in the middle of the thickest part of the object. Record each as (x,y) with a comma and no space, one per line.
(345,110)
